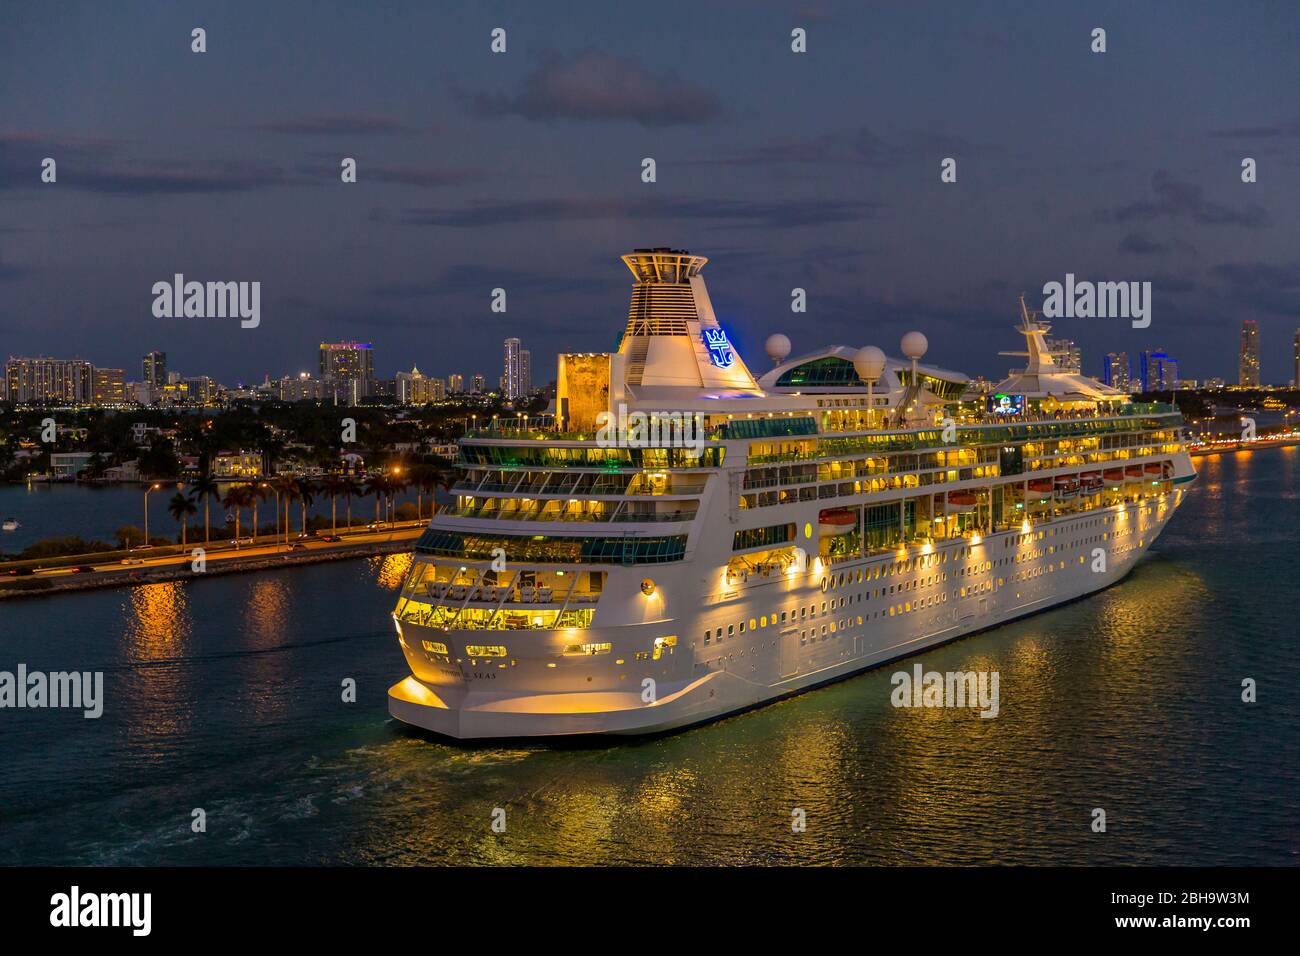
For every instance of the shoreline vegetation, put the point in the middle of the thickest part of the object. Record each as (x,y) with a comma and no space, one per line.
(267,438)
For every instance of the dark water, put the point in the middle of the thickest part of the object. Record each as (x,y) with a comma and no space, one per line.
(225,694)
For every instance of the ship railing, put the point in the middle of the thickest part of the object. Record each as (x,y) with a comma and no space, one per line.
(505,594)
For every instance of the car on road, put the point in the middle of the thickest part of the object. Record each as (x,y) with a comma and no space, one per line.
(132,561)
(82,569)
(330,537)
(298,547)
(21,572)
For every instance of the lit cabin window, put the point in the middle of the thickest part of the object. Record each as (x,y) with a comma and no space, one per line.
(485,650)
(664,643)
(434,647)
(587,650)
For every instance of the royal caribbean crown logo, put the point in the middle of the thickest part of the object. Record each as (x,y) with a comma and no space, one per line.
(721,353)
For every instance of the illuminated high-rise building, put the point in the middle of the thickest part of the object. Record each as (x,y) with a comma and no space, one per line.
(154,369)
(351,363)
(1069,357)
(480,383)
(1116,372)
(1295,359)
(1248,363)
(1158,371)
(416,388)
(109,386)
(455,382)
(511,375)
(49,381)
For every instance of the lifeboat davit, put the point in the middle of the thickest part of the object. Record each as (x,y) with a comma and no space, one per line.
(837,521)
(963,501)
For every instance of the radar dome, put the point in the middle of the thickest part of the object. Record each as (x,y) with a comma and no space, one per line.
(869,362)
(778,347)
(914,345)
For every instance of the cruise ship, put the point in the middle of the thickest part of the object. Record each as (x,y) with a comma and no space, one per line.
(679,540)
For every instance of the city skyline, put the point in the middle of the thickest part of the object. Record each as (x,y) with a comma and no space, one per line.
(104,380)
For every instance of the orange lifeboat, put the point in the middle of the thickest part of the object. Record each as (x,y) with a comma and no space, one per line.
(837,521)
(962,501)
(1157,470)
(1113,477)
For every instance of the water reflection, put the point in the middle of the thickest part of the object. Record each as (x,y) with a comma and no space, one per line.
(1127,699)
(390,570)
(268,626)
(158,621)
(157,693)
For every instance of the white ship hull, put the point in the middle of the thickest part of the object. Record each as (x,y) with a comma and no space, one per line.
(697,683)
(610,570)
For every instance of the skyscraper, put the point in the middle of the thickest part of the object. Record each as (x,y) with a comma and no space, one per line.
(1116,372)
(525,373)
(1248,365)
(512,370)
(154,369)
(416,388)
(480,383)
(351,363)
(1159,371)
(109,386)
(455,382)
(49,381)
(1067,355)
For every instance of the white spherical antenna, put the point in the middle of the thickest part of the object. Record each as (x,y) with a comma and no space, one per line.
(914,345)
(778,347)
(869,362)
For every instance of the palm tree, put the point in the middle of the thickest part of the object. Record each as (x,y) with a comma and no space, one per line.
(425,479)
(257,494)
(204,487)
(333,485)
(306,495)
(351,488)
(287,486)
(377,486)
(181,507)
(237,497)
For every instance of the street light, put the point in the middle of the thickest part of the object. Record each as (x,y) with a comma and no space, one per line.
(146,511)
